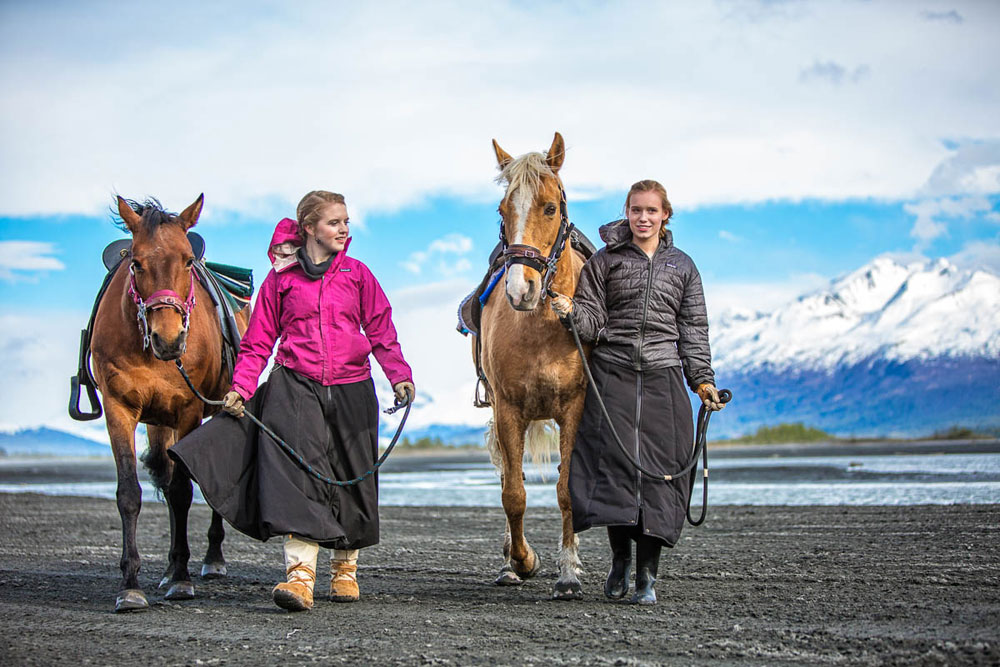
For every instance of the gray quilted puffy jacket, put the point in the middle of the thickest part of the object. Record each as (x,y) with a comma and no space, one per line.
(644,313)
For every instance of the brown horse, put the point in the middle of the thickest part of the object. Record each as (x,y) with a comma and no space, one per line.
(155,286)
(531,365)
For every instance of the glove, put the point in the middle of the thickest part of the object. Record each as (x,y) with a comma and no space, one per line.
(233,404)
(561,305)
(710,396)
(404,389)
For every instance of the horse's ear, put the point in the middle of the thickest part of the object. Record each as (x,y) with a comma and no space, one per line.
(503,157)
(189,217)
(557,153)
(128,216)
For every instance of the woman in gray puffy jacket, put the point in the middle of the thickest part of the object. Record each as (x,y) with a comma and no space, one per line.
(640,303)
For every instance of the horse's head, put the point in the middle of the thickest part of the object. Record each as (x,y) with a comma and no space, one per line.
(162,273)
(531,212)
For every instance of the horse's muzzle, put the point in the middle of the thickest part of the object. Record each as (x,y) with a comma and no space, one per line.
(168,351)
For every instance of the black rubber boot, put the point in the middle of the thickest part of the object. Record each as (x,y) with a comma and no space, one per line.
(616,587)
(647,557)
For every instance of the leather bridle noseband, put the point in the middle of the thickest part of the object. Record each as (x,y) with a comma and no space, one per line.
(161,299)
(530,256)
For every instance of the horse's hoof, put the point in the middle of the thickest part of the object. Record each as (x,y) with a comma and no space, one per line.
(567,590)
(527,573)
(180,590)
(508,577)
(213,570)
(131,599)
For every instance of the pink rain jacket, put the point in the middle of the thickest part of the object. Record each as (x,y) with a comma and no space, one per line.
(327,327)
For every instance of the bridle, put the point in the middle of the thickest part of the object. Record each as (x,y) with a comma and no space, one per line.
(162,299)
(530,256)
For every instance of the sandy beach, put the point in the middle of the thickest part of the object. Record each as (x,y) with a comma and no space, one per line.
(764,585)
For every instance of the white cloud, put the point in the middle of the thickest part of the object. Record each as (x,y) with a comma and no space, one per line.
(425,317)
(38,353)
(441,249)
(931,214)
(834,73)
(729,236)
(26,256)
(752,297)
(972,168)
(979,255)
(395,102)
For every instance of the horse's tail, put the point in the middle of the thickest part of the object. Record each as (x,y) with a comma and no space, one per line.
(541,438)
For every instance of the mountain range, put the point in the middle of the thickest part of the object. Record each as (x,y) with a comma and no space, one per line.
(892,349)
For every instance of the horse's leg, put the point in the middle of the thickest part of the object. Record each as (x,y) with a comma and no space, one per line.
(214,565)
(521,560)
(178,493)
(121,424)
(568,585)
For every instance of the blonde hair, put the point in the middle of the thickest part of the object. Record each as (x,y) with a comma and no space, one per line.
(307,212)
(649,185)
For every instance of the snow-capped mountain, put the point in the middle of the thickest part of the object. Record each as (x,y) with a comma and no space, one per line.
(890,349)
(893,311)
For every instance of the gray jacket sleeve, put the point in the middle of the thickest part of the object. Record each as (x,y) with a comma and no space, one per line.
(589,307)
(692,328)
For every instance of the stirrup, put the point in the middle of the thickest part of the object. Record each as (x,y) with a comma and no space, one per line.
(483,402)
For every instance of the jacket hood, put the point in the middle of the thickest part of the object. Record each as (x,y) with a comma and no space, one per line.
(287,231)
(618,234)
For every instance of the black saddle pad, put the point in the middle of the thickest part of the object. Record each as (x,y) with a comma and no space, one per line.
(116,251)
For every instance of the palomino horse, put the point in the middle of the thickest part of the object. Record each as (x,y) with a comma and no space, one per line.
(156,286)
(532,368)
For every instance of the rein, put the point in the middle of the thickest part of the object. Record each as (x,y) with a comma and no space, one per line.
(295,456)
(700,440)
(532,257)
(162,299)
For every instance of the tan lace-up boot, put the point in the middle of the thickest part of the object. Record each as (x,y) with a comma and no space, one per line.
(344,575)
(296,594)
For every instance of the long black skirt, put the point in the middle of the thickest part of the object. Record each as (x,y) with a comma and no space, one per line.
(651,412)
(263,492)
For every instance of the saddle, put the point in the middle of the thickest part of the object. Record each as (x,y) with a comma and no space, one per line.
(229,287)
(470,310)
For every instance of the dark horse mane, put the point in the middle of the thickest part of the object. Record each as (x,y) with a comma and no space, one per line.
(151,211)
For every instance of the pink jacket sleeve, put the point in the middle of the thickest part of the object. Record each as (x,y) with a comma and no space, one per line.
(376,319)
(258,342)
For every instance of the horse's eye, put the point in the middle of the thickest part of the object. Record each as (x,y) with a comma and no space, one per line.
(136,266)
(189,263)
(550,209)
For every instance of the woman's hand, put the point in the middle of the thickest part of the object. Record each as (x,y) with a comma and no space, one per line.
(233,404)
(710,396)
(404,389)
(561,305)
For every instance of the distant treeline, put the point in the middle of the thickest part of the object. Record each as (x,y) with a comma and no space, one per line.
(798,432)
(433,443)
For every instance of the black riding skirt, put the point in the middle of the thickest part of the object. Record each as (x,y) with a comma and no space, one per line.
(262,491)
(651,412)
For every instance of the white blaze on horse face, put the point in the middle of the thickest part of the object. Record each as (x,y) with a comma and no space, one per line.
(517,285)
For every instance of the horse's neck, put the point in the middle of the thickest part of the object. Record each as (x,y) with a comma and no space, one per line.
(567,271)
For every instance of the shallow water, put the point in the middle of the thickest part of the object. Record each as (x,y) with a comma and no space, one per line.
(938,479)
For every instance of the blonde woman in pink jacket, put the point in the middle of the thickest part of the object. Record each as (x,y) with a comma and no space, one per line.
(327,313)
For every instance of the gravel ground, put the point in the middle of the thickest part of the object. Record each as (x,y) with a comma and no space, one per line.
(754,585)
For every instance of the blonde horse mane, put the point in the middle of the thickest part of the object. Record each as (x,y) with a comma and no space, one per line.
(526,171)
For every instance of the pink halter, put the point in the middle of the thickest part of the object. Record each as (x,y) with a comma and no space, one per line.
(162,299)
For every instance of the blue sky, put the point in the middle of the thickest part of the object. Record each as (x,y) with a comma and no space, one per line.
(797,141)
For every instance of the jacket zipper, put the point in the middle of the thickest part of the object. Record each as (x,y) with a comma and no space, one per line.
(322,338)
(638,418)
(645,313)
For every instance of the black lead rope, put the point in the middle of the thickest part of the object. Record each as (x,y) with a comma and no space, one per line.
(295,455)
(700,440)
